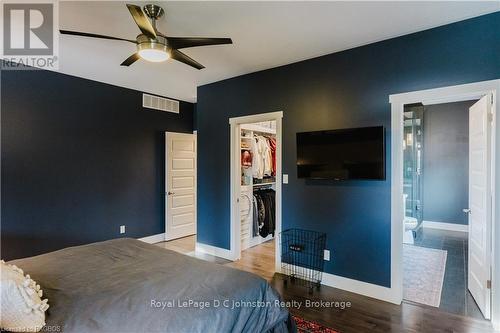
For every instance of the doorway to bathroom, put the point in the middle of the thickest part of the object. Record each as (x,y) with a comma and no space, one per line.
(437,154)
(480,243)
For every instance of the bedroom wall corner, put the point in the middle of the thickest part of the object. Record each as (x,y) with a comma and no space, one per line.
(79,159)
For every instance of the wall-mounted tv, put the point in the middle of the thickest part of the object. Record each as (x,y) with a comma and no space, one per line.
(342,154)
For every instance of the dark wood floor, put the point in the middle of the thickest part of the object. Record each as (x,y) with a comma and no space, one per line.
(364,315)
(371,315)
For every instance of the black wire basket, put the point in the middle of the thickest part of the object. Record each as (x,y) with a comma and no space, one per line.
(302,257)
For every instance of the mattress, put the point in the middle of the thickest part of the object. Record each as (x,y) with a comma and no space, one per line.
(125,285)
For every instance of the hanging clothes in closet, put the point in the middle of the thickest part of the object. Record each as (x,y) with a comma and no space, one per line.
(272,146)
(263,157)
(246,158)
(264,212)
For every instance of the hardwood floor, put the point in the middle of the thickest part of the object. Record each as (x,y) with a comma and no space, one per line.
(371,315)
(258,259)
(182,245)
(364,315)
(186,246)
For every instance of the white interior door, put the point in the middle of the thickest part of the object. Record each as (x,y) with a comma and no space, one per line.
(479,273)
(180,185)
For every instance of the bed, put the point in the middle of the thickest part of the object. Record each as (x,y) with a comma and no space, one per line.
(125,285)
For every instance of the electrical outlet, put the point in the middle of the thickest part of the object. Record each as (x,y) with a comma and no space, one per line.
(285,178)
(122,229)
(326,255)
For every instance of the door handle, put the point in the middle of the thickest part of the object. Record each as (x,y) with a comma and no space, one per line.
(170,193)
(466,210)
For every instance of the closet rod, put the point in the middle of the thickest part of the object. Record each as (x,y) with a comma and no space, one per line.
(264,184)
(257,128)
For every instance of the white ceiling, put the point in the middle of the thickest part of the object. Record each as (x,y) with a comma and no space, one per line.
(265,35)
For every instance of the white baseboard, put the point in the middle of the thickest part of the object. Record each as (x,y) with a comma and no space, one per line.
(361,288)
(445,226)
(496,325)
(254,241)
(331,280)
(153,239)
(214,251)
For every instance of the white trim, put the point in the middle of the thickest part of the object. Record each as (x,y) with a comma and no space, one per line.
(461,92)
(257,240)
(214,251)
(153,238)
(258,128)
(235,151)
(358,287)
(397,228)
(445,226)
(432,96)
(257,118)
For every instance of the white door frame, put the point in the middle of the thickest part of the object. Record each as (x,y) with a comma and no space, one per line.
(434,96)
(235,180)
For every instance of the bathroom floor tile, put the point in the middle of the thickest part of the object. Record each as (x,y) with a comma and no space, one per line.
(455,298)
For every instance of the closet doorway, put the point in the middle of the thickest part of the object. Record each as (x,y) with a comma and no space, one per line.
(256,182)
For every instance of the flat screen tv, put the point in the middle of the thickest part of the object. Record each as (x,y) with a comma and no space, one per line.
(343,154)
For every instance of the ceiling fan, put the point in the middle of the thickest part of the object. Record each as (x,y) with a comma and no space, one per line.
(152,45)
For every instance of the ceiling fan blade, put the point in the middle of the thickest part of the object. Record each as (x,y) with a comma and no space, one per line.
(85,34)
(130,60)
(142,21)
(184,58)
(184,42)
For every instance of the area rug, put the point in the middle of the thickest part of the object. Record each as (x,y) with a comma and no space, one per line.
(423,274)
(306,326)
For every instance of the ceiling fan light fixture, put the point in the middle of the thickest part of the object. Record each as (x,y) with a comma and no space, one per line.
(153,52)
(152,45)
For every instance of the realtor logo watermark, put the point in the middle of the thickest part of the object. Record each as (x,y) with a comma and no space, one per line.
(30,37)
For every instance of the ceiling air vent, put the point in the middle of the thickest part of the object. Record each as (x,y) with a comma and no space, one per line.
(160,103)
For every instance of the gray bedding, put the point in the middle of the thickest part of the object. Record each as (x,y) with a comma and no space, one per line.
(125,285)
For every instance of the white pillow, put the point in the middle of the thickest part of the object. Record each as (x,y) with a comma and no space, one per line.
(22,309)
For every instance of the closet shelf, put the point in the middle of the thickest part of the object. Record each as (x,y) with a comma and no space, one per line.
(258,128)
(264,184)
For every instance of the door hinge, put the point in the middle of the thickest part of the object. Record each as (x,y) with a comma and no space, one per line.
(488,284)
(490,117)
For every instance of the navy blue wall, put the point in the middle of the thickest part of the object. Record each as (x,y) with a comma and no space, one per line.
(345,89)
(79,159)
(446,162)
